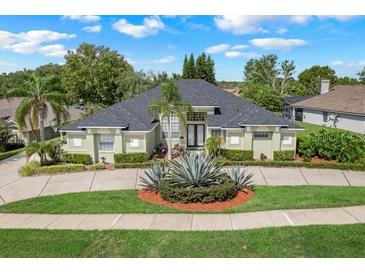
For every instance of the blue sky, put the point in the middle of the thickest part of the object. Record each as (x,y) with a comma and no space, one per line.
(159,43)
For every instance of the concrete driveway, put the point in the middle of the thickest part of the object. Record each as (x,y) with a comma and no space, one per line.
(14,187)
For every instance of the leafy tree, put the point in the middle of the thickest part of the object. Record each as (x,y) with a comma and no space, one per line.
(262,95)
(35,106)
(169,103)
(130,83)
(262,71)
(347,81)
(13,81)
(91,72)
(311,78)
(5,135)
(268,71)
(361,75)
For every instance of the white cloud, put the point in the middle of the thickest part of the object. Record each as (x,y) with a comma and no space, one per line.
(282,30)
(151,26)
(349,64)
(55,50)
(31,41)
(83,18)
(277,43)
(236,54)
(300,19)
(236,47)
(240,24)
(196,26)
(217,49)
(340,18)
(165,60)
(96,28)
(7,64)
(337,63)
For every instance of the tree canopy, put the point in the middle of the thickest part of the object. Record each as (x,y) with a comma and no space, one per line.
(311,78)
(202,68)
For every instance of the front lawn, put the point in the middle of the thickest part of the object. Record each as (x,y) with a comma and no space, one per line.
(10,153)
(344,241)
(126,201)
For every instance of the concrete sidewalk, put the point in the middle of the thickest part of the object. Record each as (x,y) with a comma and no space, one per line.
(187,222)
(13,187)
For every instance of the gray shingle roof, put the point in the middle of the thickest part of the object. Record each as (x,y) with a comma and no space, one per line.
(294,99)
(134,115)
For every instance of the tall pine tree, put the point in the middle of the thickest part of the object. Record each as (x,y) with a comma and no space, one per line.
(201,67)
(210,70)
(191,67)
(185,69)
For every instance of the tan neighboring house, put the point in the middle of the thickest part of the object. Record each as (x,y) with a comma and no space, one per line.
(128,126)
(8,109)
(342,106)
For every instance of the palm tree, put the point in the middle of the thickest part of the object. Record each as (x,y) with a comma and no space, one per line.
(169,103)
(35,105)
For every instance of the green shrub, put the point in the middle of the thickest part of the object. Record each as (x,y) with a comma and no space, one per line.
(133,165)
(329,165)
(98,166)
(237,155)
(212,193)
(75,158)
(29,169)
(11,153)
(135,157)
(284,155)
(213,144)
(333,144)
(60,168)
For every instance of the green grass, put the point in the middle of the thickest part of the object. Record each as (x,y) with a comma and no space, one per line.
(126,201)
(306,241)
(10,153)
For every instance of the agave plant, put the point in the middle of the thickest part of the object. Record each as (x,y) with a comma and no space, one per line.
(154,176)
(240,177)
(193,170)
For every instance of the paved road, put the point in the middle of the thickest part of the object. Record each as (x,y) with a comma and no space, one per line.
(14,187)
(187,222)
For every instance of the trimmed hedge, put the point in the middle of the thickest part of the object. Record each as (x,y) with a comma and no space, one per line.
(284,155)
(237,155)
(7,154)
(75,158)
(98,166)
(342,166)
(60,168)
(33,168)
(213,193)
(131,157)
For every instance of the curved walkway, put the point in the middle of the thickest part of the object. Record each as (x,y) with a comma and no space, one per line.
(13,187)
(187,222)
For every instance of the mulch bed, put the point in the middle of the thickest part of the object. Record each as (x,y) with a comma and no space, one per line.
(315,160)
(155,198)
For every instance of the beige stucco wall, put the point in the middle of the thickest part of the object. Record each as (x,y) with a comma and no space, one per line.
(229,134)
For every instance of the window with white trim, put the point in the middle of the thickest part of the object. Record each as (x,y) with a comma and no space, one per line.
(76,142)
(216,132)
(175,127)
(106,142)
(234,140)
(287,140)
(134,143)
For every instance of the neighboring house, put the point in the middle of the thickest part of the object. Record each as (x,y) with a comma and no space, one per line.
(342,106)
(235,91)
(289,112)
(8,109)
(128,126)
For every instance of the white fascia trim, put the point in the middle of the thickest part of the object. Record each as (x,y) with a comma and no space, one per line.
(63,130)
(100,127)
(329,110)
(143,131)
(232,128)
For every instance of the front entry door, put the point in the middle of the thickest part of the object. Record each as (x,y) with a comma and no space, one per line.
(196,135)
